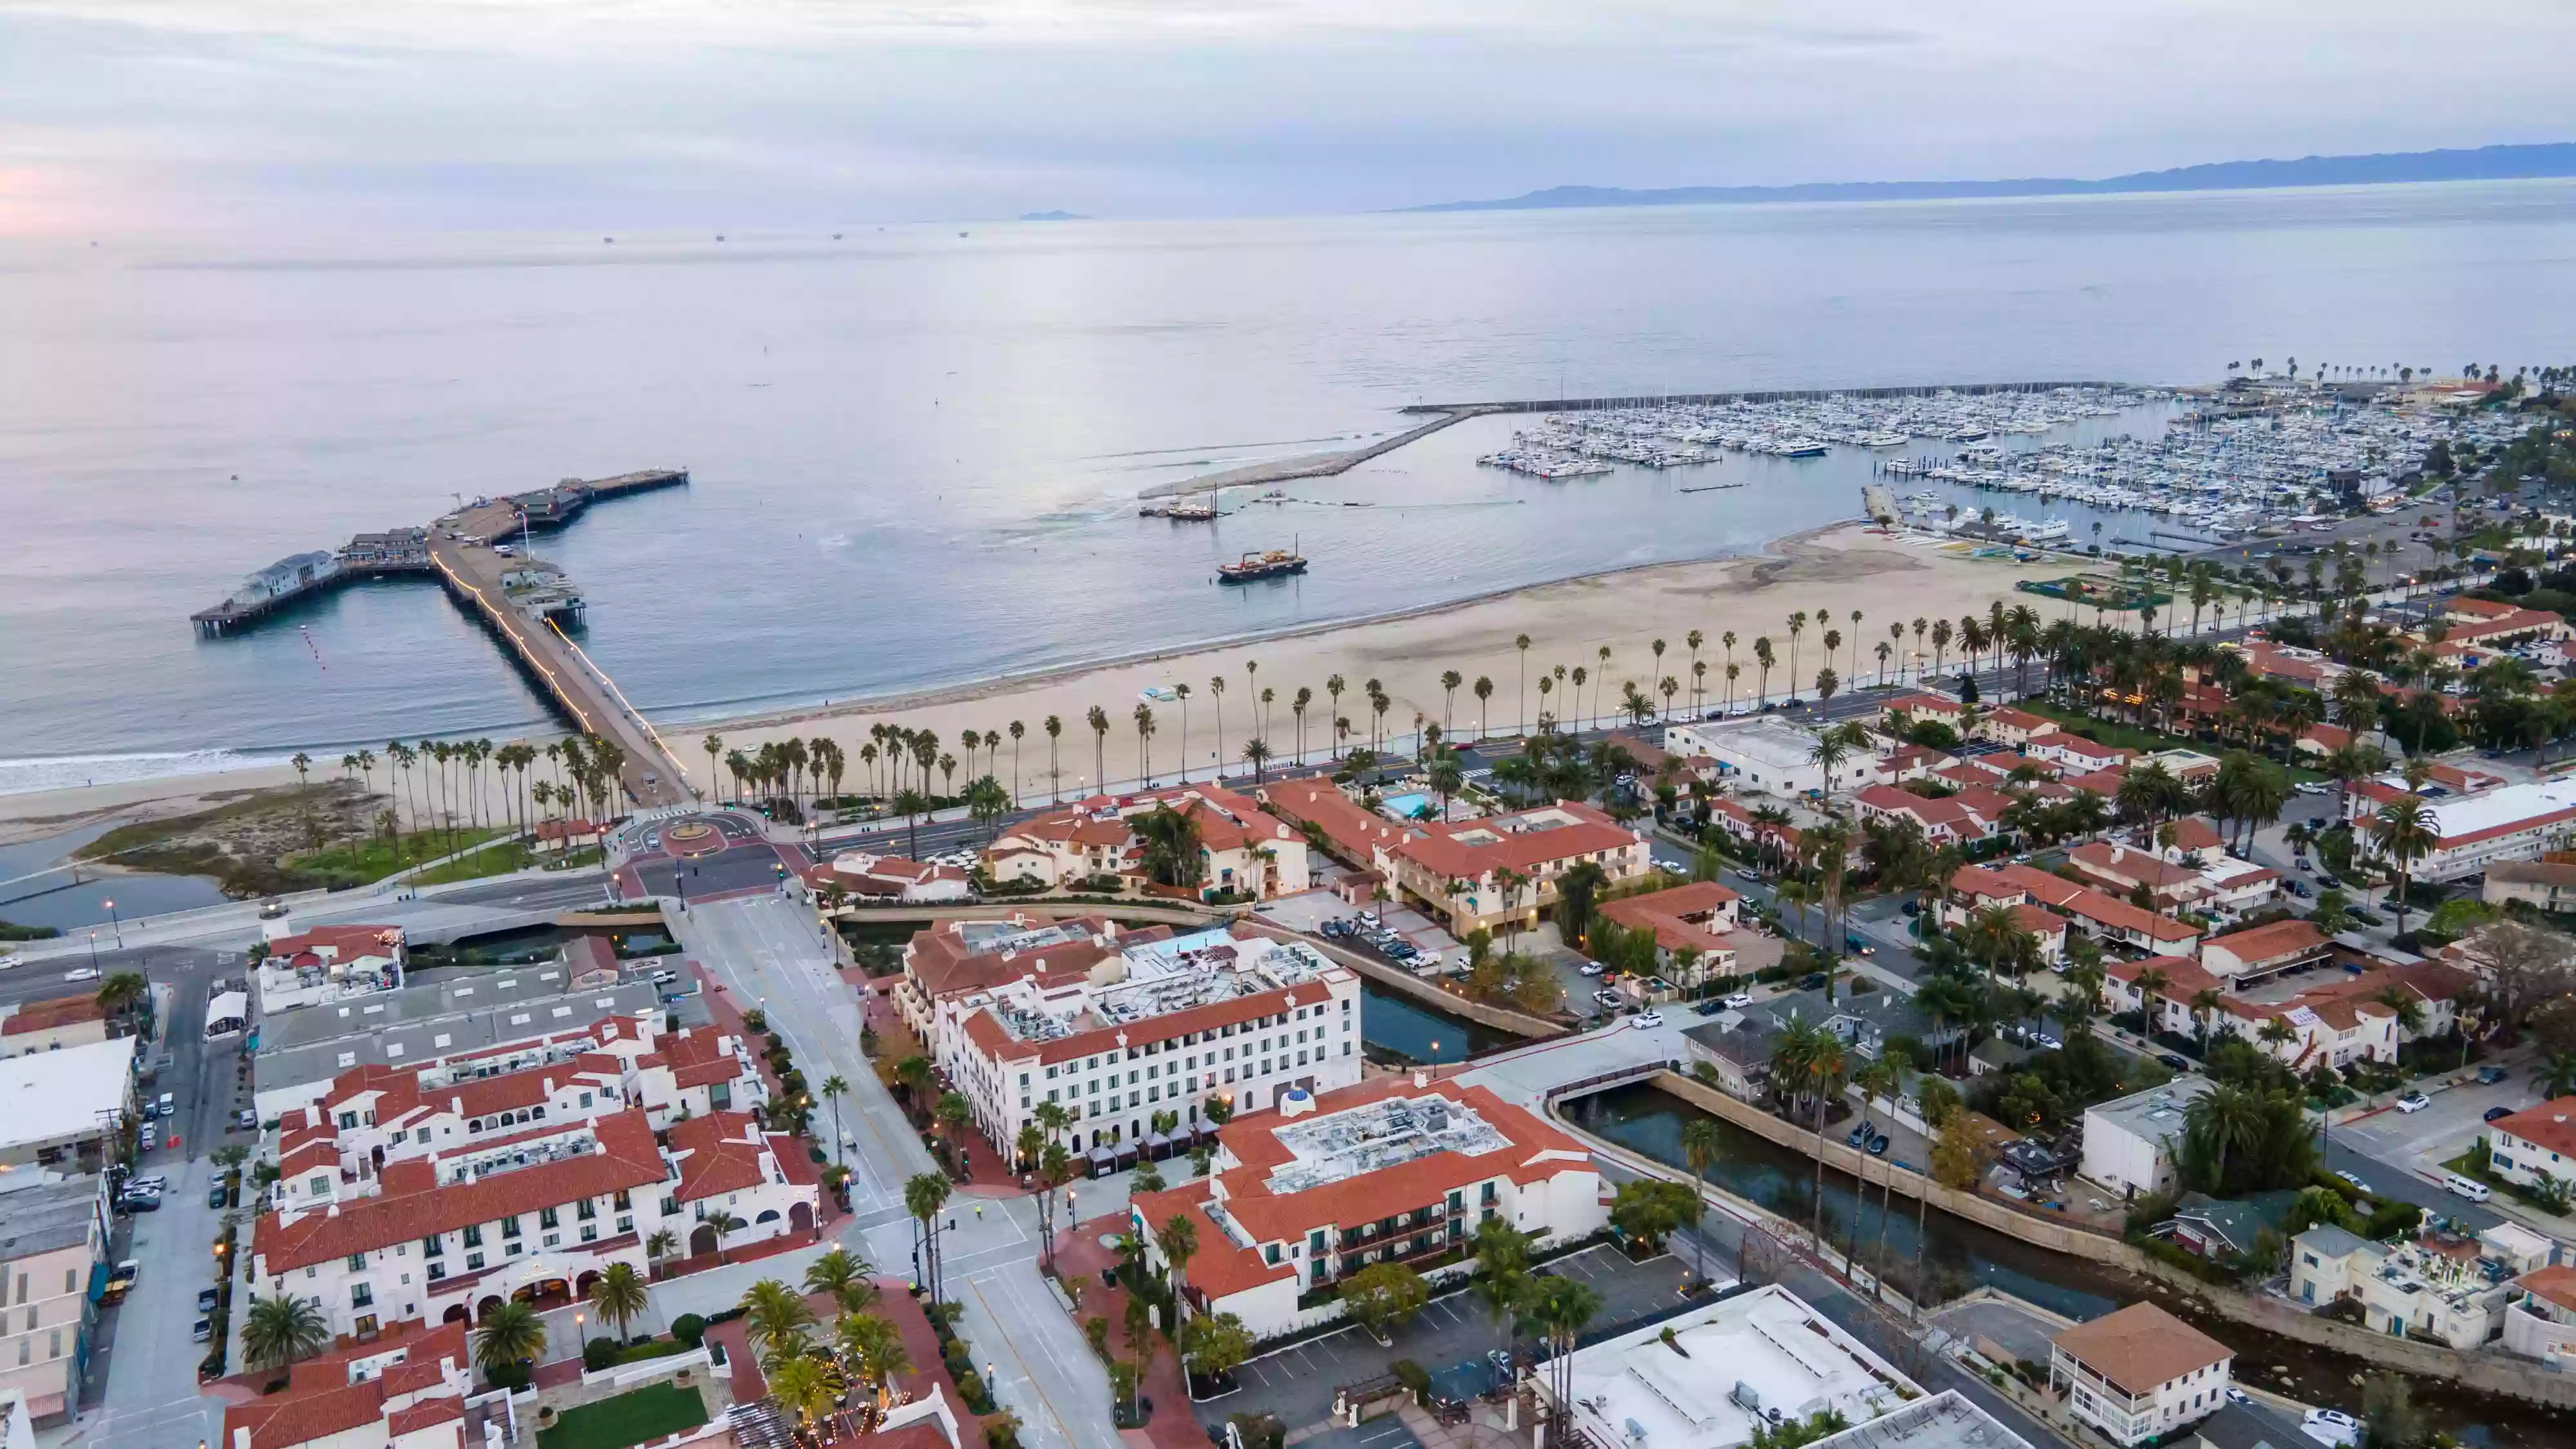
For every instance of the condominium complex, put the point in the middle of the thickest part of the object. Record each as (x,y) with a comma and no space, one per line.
(1243,850)
(414,1394)
(53,1240)
(1397,1170)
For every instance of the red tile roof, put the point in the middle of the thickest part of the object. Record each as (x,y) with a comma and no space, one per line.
(2278,941)
(345,942)
(2128,866)
(1356,834)
(1445,849)
(410,1205)
(2552,1125)
(2141,1348)
(320,1401)
(59,1011)
(1678,916)
(718,1153)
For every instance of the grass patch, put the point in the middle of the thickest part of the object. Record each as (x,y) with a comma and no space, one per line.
(2123,736)
(364,862)
(501,859)
(143,833)
(655,1411)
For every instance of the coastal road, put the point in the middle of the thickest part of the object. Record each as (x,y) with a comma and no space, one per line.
(771,953)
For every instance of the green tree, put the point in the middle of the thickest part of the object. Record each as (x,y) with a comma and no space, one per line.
(803,1386)
(1557,1311)
(1382,1296)
(1648,1209)
(1576,890)
(1215,1344)
(619,1296)
(776,1319)
(1703,1147)
(846,1276)
(507,1343)
(1502,1275)
(278,1331)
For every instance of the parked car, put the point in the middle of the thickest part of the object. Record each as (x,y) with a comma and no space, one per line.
(1590,968)
(139,1202)
(2494,1114)
(2173,1062)
(1606,997)
(1650,1018)
(2413,1102)
(216,1197)
(2489,1076)
(247,1120)
(1710,1007)
(1812,981)
(204,1330)
(1747,873)
(2368,918)
(1739,1000)
(2353,1179)
(1878,1144)
(205,1300)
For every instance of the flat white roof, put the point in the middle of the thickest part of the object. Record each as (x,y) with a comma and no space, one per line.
(1765,1358)
(65,1095)
(1773,742)
(2504,805)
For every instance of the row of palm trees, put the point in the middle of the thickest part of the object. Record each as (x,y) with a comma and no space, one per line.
(441,786)
(810,1370)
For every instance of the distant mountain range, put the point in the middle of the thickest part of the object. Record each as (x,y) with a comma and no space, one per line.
(1053,216)
(2486,163)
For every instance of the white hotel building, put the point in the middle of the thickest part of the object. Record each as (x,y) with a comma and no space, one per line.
(433,1194)
(1161,1024)
(2513,822)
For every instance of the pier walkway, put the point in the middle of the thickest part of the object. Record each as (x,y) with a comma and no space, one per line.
(461,552)
(467,552)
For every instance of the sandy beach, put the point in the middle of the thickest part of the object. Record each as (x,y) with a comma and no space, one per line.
(1843,568)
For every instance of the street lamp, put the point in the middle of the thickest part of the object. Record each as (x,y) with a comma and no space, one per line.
(114,925)
(93,953)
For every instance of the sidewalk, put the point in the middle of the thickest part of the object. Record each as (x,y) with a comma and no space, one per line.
(1081,1259)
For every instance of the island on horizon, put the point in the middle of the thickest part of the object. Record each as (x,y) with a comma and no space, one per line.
(1053,216)
(2485,163)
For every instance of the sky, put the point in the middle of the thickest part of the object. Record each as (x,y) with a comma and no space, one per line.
(360,116)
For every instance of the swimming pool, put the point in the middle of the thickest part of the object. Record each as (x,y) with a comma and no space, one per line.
(1408,807)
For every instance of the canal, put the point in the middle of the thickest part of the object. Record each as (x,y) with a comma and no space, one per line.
(1961,1256)
(1399,1030)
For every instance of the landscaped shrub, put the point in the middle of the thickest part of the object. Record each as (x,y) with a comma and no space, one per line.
(1413,1376)
(689,1328)
(598,1354)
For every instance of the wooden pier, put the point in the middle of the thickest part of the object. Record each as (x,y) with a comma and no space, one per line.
(461,552)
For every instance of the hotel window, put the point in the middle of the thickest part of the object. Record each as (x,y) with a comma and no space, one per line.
(361,1294)
(357,1262)
(474,1262)
(510,1226)
(437,1271)
(626,1225)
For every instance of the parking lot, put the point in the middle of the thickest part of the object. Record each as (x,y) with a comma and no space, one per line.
(1450,1338)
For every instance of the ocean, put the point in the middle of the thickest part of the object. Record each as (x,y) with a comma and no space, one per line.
(915,449)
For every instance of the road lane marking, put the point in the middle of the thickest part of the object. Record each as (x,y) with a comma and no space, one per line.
(1011,1351)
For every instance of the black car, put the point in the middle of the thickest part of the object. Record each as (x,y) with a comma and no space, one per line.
(2173,1061)
(2493,1113)
(216,1197)
(1812,981)
(1711,1007)
(2367,919)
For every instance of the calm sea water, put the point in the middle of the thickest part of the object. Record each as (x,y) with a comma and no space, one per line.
(916,451)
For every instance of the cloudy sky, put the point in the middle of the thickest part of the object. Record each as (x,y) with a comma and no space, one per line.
(359,115)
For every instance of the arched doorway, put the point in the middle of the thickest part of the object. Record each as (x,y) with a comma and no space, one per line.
(484,1309)
(455,1314)
(801,1218)
(703,1240)
(581,1285)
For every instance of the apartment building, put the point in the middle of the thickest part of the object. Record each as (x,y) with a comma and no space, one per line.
(2548,885)
(1160,1026)
(1398,1170)
(533,1213)
(416,1394)
(372,1117)
(2126,871)
(2540,1316)
(53,1242)
(1699,918)
(1477,874)
(1770,756)
(1243,849)
(2535,1145)
(2129,1142)
(2432,1287)
(2241,958)
(2472,832)
(44,1026)
(2139,1373)
(326,963)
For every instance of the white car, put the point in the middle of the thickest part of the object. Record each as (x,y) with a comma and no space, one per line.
(85,973)
(1649,1018)
(1738,1001)
(2354,1179)
(1590,968)
(2413,1102)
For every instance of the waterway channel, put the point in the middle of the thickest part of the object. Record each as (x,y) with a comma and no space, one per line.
(1960,1256)
(1400,1030)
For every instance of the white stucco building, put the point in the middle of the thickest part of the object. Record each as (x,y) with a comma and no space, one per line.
(2139,1373)
(1770,756)
(2129,1142)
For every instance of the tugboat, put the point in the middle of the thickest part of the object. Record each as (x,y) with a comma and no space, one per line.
(1277,563)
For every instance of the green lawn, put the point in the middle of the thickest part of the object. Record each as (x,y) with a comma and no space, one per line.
(502,859)
(371,860)
(2121,736)
(655,1411)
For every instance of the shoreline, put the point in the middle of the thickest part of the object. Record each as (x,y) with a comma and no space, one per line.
(1569,620)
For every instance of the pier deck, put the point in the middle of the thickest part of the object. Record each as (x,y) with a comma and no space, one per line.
(458,551)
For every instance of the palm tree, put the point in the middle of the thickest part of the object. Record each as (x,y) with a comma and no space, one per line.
(661,1245)
(509,1338)
(118,993)
(1099,721)
(776,1319)
(278,1331)
(1179,1241)
(1558,1310)
(876,1346)
(924,1194)
(2403,832)
(802,1385)
(844,1275)
(1703,1147)
(1144,737)
(2151,984)
(833,1087)
(619,1295)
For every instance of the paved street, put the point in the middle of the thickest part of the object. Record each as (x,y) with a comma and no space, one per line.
(149,1369)
(774,956)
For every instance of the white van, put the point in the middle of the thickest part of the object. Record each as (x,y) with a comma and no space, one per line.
(2467,1187)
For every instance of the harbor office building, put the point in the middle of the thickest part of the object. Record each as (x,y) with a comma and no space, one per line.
(1159,1025)
(1399,1170)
